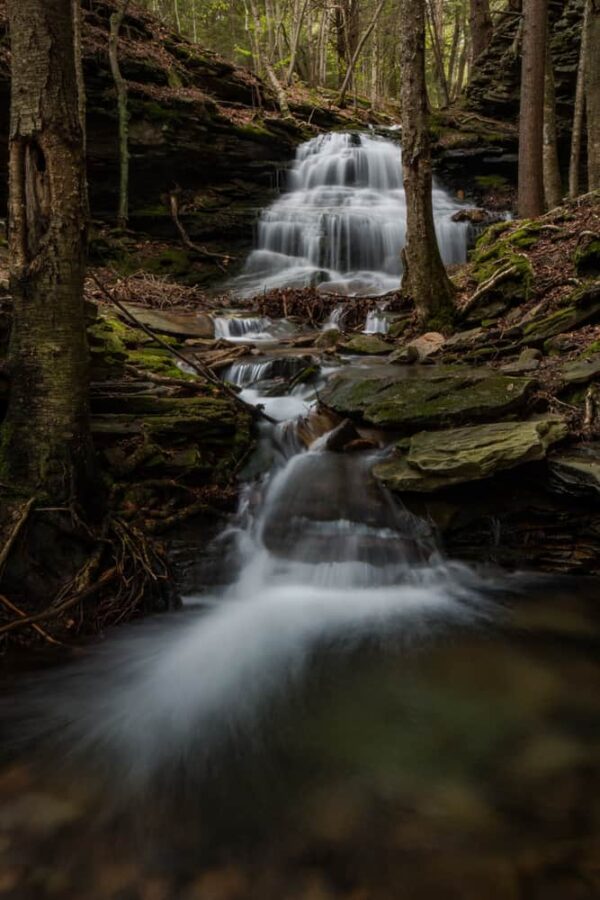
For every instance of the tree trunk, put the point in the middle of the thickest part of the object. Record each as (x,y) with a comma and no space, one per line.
(438,57)
(592,94)
(357,52)
(46,444)
(425,279)
(262,57)
(299,13)
(579,108)
(553,191)
(116,20)
(481,27)
(531,119)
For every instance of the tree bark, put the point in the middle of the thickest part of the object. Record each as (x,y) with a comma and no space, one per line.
(553,191)
(531,119)
(299,13)
(116,20)
(425,278)
(579,109)
(263,58)
(481,27)
(46,443)
(592,94)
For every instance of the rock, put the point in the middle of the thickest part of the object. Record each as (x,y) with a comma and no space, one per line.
(366,344)
(576,471)
(328,339)
(420,348)
(393,397)
(528,361)
(586,258)
(475,216)
(581,370)
(465,340)
(504,278)
(184,325)
(582,307)
(338,439)
(440,459)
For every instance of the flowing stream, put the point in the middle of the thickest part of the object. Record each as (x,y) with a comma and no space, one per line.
(341,222)
(349,711)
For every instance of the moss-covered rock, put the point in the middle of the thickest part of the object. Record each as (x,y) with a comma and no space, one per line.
(580,308)
(440,459)
(438,396)
(586,258)
(366,344)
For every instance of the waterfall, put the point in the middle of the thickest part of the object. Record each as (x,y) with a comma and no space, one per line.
(376,323)
(341,222)
(233,328)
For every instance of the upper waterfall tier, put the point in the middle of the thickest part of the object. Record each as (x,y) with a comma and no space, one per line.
(341,222)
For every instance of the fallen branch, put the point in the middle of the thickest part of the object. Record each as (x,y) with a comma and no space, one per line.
(52,611)
(187,241)
(198,367)
(37,628)
(8,545)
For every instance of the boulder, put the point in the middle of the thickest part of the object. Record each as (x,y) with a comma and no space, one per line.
(528,361)
(582,370)
(366,345)
(582,307)
(420,348)
(395,397)
(440,459)
(176,324)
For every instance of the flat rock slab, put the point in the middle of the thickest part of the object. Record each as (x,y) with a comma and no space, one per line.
(576,471)
(409,399)
(583,370)
(191,325)
(441,459)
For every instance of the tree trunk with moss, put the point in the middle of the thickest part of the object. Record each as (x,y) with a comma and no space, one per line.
(481,27)
(425,278)
(531,117)
(46,446)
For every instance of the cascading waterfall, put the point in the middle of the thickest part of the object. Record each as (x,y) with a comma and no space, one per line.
(341,222)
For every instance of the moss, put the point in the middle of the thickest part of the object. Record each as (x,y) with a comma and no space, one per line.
(492,182)
(173,261)
(159,361)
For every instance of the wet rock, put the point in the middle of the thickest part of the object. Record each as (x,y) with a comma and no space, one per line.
(420,348)
(328,339)
(344,434)
(437,396)
(366,344)
(440,459)
(576,471)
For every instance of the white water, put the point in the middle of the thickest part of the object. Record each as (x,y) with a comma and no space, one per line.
(341,222)
(376,323)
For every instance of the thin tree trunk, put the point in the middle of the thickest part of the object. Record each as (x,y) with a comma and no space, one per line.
(271,75)
(481,27)
(531,119)
(552,181)
(300,12)
(116,20)
(592,94)
(425,278)
(437,56)
(357,52)
(579,108)
(46,443)
(177,16)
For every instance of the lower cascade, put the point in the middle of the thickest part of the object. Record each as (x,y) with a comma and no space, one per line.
(341,222)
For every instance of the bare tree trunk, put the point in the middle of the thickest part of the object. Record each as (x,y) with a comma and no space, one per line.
(365,37)
(553,191)
(481,27)
(579,108)
(262,57)
(531,119)
(592,94)
(46,443)
(116,20)
(438,56)
(425,278)
(299,13)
